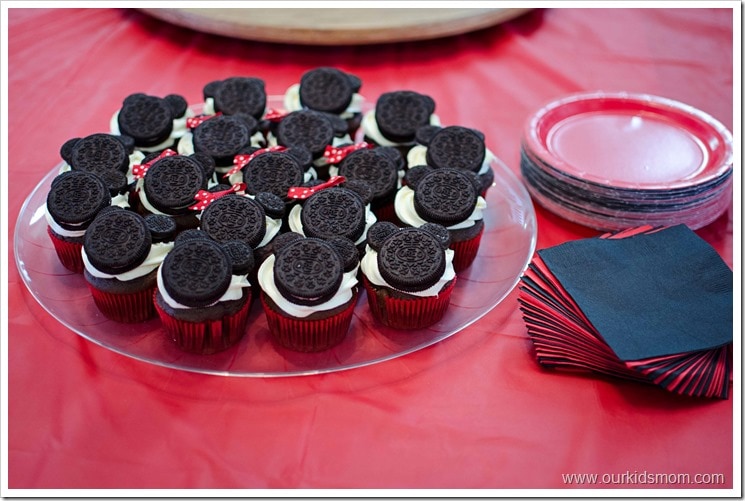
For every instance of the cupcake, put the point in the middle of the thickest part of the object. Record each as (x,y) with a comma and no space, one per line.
(154,123)
(309,290)
(396,118)
(121,259)
(203,295)
(455,147)
(408,274)
(73,201)
(329,90)
(449,197)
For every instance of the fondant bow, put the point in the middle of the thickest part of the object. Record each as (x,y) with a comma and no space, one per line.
(204,197)
(303,192)
(240,161)
(275,115)
(335,154)
(139,170)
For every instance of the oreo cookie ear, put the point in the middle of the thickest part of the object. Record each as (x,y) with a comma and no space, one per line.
(241,256)
(210,89)
(346,250)
(274,207)
(361,188)
(302,154)
(394,154)
(475,179)
(162,228)
(128,142)
(206,162)
(355,82)
(251,123)
(337,123)
(177,103)
(190,234)
(424,134)
(283,239)
(115,181)
(429,102)
(439,232)
(414,174)
(378,232)
(479,134)
(65,150)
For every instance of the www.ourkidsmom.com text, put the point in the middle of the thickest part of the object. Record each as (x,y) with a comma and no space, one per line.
(640,478)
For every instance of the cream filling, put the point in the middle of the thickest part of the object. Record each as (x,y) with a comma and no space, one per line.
(296,223)
(370,128)
(343,295)
(292,102)
(179,129)
(369,266)
(235,291)
(404,206)
(418,156)
(154,258)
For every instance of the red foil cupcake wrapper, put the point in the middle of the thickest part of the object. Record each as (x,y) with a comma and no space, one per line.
(308,335)
(409,313)
(69,253)
(126,308)
(210,336)
(465,251)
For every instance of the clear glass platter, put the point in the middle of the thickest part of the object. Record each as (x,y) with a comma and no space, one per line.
(506,248)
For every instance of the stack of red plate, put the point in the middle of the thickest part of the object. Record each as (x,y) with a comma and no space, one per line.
(616,160)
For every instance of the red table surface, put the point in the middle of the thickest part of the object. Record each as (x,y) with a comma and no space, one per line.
(473,411)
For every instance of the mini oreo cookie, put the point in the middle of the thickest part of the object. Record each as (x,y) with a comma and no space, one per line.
(240,95)
(378,232)
(400,113)
(241,256)
(411,260)
(177,103)
(283,239)
(196,273)
(221,137)
(171,183)
(98,153)
(75,198)
(115,181)
(445,196)
(117,241)
(350,256)
(274,207)
(190,234)
(378,170)
(440,232)
(162,228)
(456,147)
(235,217)
(307,128)
(274,172)
(308,271)
(147,119)
(362,188)
(328,89)
(333,212)
(414,174)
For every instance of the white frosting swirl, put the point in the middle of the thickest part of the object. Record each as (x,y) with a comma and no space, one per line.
(369,266)
(418,156)
(342,295)
(296,223)
(156,256)
(234,291)
(292,102)
(370,128)
(406,212)
(179,129)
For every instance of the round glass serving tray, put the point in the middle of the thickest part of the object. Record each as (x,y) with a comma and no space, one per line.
(506,248)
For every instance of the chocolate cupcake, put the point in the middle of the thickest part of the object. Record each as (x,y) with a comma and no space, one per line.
(309,291)
(409,275)
(454,147)
(203,295)
(73,201)
(154,123)
(121,259)
(449,197)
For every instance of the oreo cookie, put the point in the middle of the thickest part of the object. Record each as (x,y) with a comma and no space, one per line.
(411,260)
(362,188)
(190,234)
(147,119)
(117,241)
(308,271)
(414,174)
(307,128)
(196,273)
(171,183)
(440,232)
(283,239)
(115,181)
(347,251)
(162,228)
(400,113)
(221,137)
(328,89)
(456,147)
(274,207)
(235,217)
(378,232)
(333,212)
(445,196)
(97,153)
(76,197)
(240,95)
(378,170)
(274,172)
(241,256)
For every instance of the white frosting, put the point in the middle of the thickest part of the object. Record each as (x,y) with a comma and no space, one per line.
(418,156)
(208,108)
(179,129)
(342,296)
(235,291)
(406,212)
(370,128)
(292,102)
(156,255)
(296,223)
(272,228)
(370,269)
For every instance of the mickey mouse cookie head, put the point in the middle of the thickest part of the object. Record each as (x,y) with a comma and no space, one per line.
(154,123)
(396,118)
(235,95)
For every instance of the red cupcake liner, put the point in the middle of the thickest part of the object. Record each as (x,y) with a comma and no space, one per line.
(465,251)
(308,335)
(69,253)
(387,212)
(207,337)
(408,313)
(130,307)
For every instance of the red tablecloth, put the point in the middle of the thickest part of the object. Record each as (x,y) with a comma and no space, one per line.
(474,411)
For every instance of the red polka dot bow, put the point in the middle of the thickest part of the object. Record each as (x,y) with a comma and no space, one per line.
(139,170)
(194,122)
(302,192)
(275,115)
(204,197)
(240,161)
(334,154)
